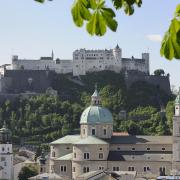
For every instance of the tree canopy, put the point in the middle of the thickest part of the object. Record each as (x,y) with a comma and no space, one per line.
(27,172)
(98,17)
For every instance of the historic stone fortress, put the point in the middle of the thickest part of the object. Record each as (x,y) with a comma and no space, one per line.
(36,76)
(98,149)
(85,61)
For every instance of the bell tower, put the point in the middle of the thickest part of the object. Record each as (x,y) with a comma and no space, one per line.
(176,134)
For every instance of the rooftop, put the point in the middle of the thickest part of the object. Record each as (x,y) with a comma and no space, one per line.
(90,140)
(69,139)
(141,140)
(139,156)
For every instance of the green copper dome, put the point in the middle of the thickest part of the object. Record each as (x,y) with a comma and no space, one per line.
(96,115)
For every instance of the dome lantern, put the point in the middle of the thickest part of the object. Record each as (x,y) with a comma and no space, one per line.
(95,98)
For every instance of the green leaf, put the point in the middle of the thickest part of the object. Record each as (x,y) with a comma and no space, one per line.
(170,47)
(40,1)
(139,3)
(80,12)
(128,9)
(177,12)
(93,4)
(108,17)
(96,25)
(117,3)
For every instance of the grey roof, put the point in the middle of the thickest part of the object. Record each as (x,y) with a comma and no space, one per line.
(141,140)
(50,176)
(69,139)
(139,156)
(96,115)
(66,157)
(91,140)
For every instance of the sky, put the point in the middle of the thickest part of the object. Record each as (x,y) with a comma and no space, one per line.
(30,30)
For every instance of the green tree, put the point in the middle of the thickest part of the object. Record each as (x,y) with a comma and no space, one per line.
(169,114)
(159,72)
(27,172)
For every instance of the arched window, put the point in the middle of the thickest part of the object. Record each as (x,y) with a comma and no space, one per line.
(53,154)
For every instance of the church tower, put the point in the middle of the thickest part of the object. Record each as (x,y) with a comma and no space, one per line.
(176,134)
(6,154)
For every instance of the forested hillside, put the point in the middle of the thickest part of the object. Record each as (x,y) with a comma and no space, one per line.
(44,118)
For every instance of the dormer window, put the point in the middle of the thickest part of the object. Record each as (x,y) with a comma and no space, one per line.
(105,131)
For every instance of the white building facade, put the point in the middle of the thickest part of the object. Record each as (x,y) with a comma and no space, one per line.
(6,155)
(84,61)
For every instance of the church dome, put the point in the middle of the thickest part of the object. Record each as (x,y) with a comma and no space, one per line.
(96,115)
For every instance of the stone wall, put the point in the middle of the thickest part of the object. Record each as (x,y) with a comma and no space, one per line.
(161,82)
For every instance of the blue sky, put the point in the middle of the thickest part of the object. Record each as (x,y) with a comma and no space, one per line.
(31,30)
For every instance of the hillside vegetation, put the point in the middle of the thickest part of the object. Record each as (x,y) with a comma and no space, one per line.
(45,118)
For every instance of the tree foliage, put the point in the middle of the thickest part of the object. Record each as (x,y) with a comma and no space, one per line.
(27,172)
(44,118)
(171,43)
(159,72)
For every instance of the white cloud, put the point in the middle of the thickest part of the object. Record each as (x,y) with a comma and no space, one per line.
(154,37)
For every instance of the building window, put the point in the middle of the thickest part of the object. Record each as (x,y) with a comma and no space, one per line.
(2,148)
(63,168)
(162,171)
(146,169)
(86,155)
(3,158)
(84,131)
(53,154)
(68,148)
(74,155)
(148,149)
(133,149)
(101,168)
(105,132)
(100,155)
(93,132)
(74,169)
(130,168)
(100,149)
(115,168)
(118,148)
(163,149)
(86,169)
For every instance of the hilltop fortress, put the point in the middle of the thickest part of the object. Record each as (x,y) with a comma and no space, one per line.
(85,61)
(29,75)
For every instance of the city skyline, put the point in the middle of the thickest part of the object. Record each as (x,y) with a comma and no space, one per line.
(31,30)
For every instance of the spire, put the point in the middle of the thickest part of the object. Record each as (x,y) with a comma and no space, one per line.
(95,98)
(117,46)
(52,55)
